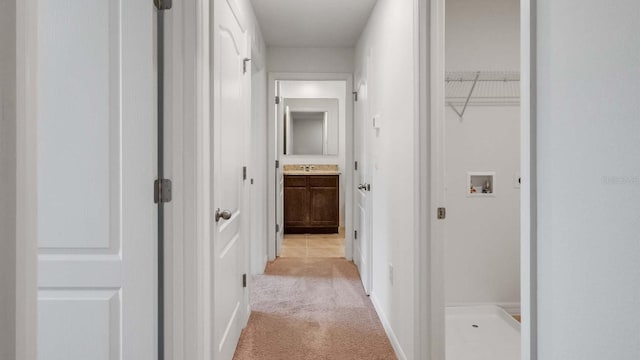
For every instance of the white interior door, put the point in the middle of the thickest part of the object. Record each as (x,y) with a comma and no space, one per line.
(357,177)
(363,197)
(279,173)
(230,115)
(97,221)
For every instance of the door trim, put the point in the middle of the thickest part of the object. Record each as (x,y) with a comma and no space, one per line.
(431,289)
(183,77)
(26,180)
(430,56)
(271,171)
(529,193)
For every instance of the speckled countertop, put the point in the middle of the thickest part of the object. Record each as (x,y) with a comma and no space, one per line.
(311,169)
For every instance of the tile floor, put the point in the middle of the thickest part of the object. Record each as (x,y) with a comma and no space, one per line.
(312,246)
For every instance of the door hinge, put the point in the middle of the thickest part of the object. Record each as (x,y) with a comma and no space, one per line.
(355,234)
(277,164)
(244,65)
(244,280)
(356,166)
(355,96)
(277,228)
(162,4)
(277,100)
(162,191)
(442,213)
(244,173)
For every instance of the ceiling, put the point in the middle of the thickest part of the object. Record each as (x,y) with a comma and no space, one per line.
(312,23)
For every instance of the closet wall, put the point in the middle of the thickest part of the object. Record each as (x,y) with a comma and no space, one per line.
(482,247)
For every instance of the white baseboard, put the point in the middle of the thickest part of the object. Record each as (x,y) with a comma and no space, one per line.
(387,328)
(511,308)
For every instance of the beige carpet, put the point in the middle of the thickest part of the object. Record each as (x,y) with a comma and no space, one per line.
(312,308)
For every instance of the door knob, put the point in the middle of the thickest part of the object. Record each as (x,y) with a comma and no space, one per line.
(223,214)
(366,187)
(361,187)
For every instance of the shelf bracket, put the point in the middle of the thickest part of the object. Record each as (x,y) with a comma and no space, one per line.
(466,103)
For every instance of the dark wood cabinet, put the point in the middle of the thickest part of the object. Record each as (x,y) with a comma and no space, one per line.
(311,204)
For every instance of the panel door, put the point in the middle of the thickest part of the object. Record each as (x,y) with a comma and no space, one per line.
(363,198)
(357,156)
(97,221)
(230,114)
(280,185)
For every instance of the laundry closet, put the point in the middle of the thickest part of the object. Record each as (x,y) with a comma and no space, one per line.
(482,179)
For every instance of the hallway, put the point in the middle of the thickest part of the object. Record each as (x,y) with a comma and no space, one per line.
(312,308)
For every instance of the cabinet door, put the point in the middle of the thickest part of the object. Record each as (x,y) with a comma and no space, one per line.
(324,208)
(296,201)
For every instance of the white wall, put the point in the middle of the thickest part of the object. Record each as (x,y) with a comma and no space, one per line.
(310,60)
(483,33)
(7,178)
(389,38)
(321,90)
(588,139)
(482,247)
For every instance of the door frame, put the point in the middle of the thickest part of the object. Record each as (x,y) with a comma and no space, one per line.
(26,180)
(188,141)
(187,286)
(432,108)
(271,170)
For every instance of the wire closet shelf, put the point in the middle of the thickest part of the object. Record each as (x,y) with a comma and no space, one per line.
(481,88)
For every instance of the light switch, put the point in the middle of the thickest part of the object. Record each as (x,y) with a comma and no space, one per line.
(377,122)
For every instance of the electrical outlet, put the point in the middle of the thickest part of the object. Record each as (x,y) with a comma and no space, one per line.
(391,273)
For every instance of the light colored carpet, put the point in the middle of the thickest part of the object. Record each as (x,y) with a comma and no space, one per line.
(312,308)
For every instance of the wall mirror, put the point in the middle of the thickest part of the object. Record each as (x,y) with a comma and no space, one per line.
(311,127)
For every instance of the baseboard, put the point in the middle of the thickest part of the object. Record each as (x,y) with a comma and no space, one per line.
(387,328)
(511,308)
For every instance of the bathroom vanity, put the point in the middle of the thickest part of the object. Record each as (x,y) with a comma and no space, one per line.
(311,200)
